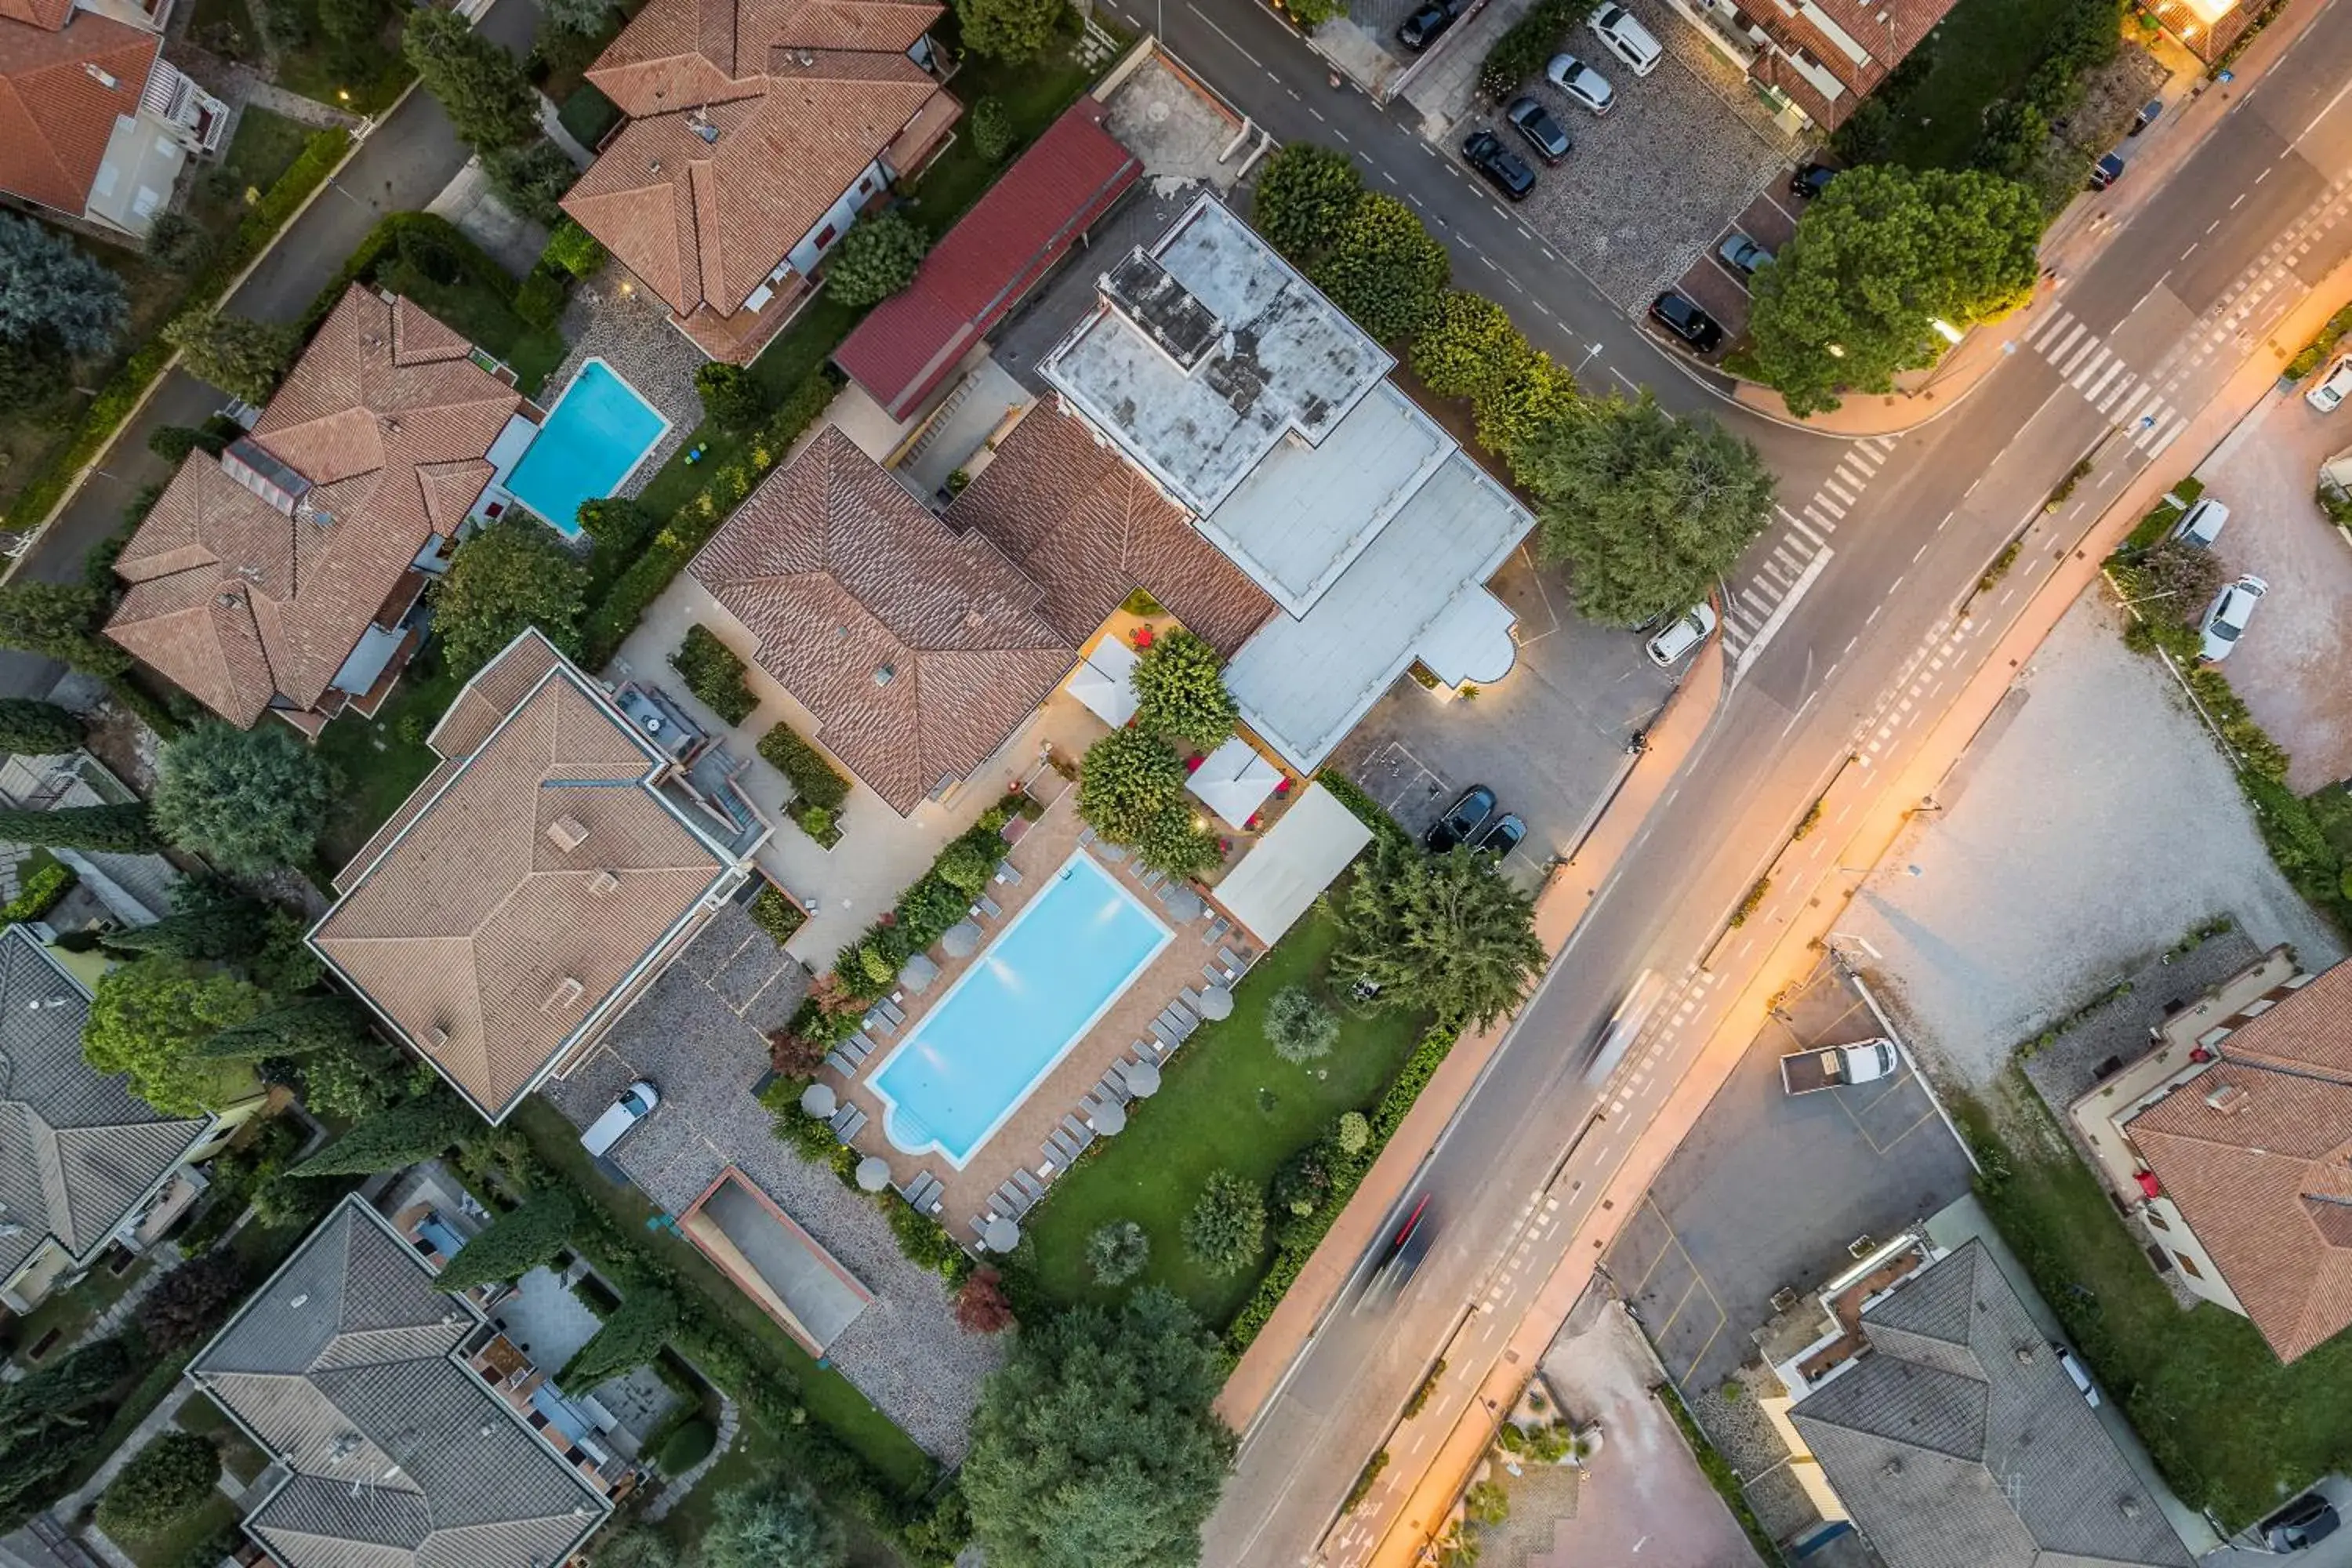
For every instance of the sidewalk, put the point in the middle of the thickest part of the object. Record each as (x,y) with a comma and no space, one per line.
(1863,816)
(2071,243)
(1561,904)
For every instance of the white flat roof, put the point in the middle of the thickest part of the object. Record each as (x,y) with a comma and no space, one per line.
(1288,869)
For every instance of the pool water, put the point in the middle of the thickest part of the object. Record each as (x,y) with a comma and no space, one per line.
(594,437)
(1006,1023)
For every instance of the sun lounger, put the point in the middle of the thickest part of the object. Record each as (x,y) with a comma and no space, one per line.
(1185,1014)
(1009,1200)
(840,1064)
(1113,1086)
(857,1047)
(1029,1184)
(1113,853)
(1217,927)
(848,1122)
(989,907)
(1169,1040)
(1060,1146)
(892,1011)
(1085,836)
(1078,1130)
(1008,873)
(880,1022)
(1153,878)
(1214,975)
(1190,997)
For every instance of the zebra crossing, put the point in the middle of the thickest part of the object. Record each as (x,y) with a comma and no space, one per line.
(1798,552)
(2094,368)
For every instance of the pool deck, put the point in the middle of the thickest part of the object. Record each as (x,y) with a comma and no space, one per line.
(1019,1143)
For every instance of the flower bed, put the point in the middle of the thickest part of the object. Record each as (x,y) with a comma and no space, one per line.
(715,674)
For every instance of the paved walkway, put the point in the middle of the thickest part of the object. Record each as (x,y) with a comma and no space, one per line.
(677,1488)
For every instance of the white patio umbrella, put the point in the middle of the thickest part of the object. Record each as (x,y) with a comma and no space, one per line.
(962,941)
(1000,1234)
(818,1099)
(1143,1080)
(1216,1001)
(873,1174)
(1109,1117)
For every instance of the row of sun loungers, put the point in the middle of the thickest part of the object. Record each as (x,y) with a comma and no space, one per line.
(885,1016)
(848,1122)
(848,1057)
(925,1191)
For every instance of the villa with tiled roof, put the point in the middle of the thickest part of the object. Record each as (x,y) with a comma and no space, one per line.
(287,574)
(757,129)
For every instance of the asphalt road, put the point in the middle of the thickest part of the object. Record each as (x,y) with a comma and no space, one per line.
(2184,290)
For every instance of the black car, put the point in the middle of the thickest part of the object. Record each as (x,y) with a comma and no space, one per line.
(1400,1257)
(2309,1518)
(1426,25)
(1505,170)
(2147,115)
(1542,131)
(1687,322)
(1500,837)
(2106,172)
(1810,180)
(1467,817)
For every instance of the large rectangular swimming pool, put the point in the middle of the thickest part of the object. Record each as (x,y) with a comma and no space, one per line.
(1030,996)
(594,437)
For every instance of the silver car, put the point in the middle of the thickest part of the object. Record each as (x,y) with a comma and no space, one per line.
(1582,83)
(2200,525)
(2225,622)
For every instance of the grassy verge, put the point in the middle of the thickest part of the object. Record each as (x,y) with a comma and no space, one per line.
(1226,1103)
(1984,50)
(2231,1429)
(380,761)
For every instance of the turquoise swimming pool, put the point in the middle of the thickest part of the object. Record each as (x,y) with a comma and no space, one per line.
(1032,994)
(594,437)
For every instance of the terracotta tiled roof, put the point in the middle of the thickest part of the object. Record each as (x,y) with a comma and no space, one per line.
(1027,222)
(2266,1181)
(918,651)
(2310,1030)
(46,15)
(1091,529)
(57,106)
(245,606)
(789,104)
(1887,33)
(541,873)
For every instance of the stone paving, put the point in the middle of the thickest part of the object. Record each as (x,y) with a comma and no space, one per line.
(2118,1029)
(697,1035)
(610,317)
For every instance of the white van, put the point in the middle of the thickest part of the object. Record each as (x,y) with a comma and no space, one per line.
(2333,387)
(631,1106)
(1627,38)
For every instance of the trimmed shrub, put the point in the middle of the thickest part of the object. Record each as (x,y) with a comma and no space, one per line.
(1117,1252)
(1299,1026)
(574,249)
(1226,1229)
(37,891)
(714,674)
(687,1447)
(813,779)
(777,915)
(165,1479)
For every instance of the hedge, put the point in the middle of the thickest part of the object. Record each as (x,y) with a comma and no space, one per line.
(813,780)
(714,673)
(625,603)
(1368,811)
(1525,48)
(38,891)
(2162,516)
(2322,344)
(127,385)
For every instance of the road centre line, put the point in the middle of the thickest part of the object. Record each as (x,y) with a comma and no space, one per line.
(1236,43)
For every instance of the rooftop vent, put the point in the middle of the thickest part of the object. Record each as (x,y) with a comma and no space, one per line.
(2127,1506)
(567,833)
(603,882)
(2229,1099)
(302,1300)
(435,1037)
(884,674)
(1892,1467)
(1176,321)
(104,78)
(2025,1355)
(567,992)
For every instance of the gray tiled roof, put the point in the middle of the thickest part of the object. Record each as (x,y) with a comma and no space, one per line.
(1959,1442)
(348,1367)
(78,1151)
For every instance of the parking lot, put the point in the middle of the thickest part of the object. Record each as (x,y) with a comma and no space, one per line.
(1720,289)
(1771,1191)
(1650,184)
(1550,740)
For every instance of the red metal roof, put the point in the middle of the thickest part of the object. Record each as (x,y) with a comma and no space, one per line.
(1009,241)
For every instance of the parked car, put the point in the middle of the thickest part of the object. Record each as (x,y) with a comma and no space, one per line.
(1626,38)
(1582,83)
(2225,621)
(1503,169)
(1687,322)
(631,1106)
(1542,131)
(2106,170)
(1685,634)
(1466,817)
(2333,388)
(1501,836)
(2081,1380)
(2308,1519)
(1810,180)
(1426,25)
(1743,255)
(2146,116)
(2200,525)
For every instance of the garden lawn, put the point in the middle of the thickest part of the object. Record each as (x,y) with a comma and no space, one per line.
(1226,1101)
(1983,50)
(378,764)
(167,1547)
(2232,1429)
(312,71)
(827,1396)
(71,1311)
(263,148)
(240,1458)
(481,312)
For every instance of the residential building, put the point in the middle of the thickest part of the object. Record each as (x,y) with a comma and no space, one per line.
(1255,405)
(537,882)
(1942,1422)
(1813,61)
(2230,1141)
(1016,234)
(287,575)
(756,135)
(95,124)
(85,1164)
(382,1403)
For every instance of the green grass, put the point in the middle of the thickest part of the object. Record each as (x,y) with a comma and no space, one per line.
(481,309)
(1033,94)
(378,762)
(240,1458)
(366,87)
(264,148)
(168,1546)
(72,1312)
(2232,1429)
(1983,50)
(1227,1101)
(827,1396)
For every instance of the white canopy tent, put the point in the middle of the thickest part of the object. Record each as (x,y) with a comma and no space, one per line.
(1279,879)
(1104,682)
(1234,780)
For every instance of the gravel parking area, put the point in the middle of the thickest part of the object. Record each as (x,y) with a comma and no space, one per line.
(2092,824)
(696,1034)
(1652,182)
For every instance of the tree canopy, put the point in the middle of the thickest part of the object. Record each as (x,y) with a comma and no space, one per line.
(1648,509)
(1128,781)
(484,89)
(1180,693)
(123,829)
(1096,1446)
(175,1472)
(53,1419)
(876,260)
(1384,269)
(245,799)
(632,1336)
(412,1131)
(295,1028)
(52,293)
(1010,29)
(516,1242)
(1442,932)
(777,1524)
(1881,255)
(531,176)
(1306,195)
(148,1017)
(60,621)
(188,1303)
(32,728)
(244,358)
(513,574)
(1226,1232)
(1469,348)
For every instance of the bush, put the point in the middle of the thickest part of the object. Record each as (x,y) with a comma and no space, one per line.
(731,399)
(37,892)
(531,178)
(574,249)
(714,674)
(777,915)
(1525,48)
(813,779)
(1117,1252)
(539,300)
(165,1479)
(876,259)
(1306,194)
(992,129)
(2162,516)
(687,1447)
(1299,1026)
(173,443)
(924,1240)
(981,1306)
(1226,1229)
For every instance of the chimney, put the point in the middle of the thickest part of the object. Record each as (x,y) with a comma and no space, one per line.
(603,882)
(2229,1099)
(568,833)
(2025,1355)
(566,992)
(884,674)
(436,1038)
(2128,1506)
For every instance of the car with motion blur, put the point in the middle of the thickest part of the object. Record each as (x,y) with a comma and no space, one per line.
(1461,820)
(1539,130)
(1582,83)
(1625,1023)
(1502,168)
(1402,1253)
(1683,318)
(2225,620)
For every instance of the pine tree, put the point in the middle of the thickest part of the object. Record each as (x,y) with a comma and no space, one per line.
(232,929)
(52,291)
(244,358)
(30,727)
(482,89)
(297,1028)
(515,1243)
(415,1130)
(123,829)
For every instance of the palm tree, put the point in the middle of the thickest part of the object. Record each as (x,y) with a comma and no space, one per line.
(1447,932)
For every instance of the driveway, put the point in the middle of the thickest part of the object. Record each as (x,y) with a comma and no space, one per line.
(2334,1552)
(2290,667)
(1550,739)
(2089,825)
